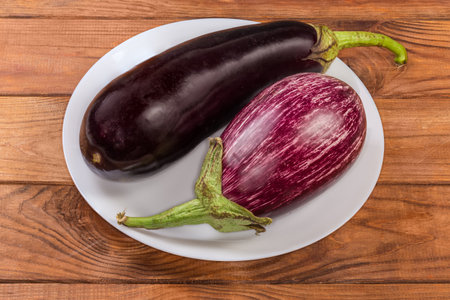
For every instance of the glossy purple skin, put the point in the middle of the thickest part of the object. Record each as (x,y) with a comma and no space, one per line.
(294,137)
(164,107)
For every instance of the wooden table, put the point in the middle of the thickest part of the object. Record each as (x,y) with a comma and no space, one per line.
(54,246)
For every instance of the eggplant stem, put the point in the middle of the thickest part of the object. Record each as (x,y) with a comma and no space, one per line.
(210,207)
(188,213)
(348,39)
(331,42)
(121,218)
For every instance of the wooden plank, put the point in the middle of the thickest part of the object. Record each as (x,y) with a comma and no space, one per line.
(417,134)
(422,76)
(50,56)
(226,291)
(49,234)
(417,140)
(383,9)
(31,139)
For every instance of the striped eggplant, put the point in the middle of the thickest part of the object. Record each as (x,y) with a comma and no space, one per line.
(294,137)
(162,108)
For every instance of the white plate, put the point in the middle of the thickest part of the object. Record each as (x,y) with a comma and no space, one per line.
(292,229)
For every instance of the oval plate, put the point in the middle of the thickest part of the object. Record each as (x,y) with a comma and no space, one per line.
(293,228)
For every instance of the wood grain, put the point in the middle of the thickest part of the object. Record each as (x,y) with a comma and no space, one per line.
(424,75)
(417,140)
(415,150)
(54,246)
(130,9)
(228,291)
(49,234)
(31,139)
(50,56)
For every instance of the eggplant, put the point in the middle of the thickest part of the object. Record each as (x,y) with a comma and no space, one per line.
(162,108)
(292,139)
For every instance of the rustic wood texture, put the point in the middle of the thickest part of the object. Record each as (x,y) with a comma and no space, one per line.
(234,291)
(54,246)
(31,139)
(50,56)
(393,238)
(130,9)
(417,137)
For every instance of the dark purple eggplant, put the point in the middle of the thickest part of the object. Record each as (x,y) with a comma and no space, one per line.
(162,108)
(293,138)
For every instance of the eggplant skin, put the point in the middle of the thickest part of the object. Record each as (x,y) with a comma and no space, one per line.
(162,108)
(293,138)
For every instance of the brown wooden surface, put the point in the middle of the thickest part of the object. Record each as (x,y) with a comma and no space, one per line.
(233,291)
(394,238)
(176,9)
(54,246)
(415,141)
(49,56)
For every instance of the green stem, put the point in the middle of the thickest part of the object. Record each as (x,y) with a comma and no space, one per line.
(348,39)
(210,207)
(188,213)
(330,42)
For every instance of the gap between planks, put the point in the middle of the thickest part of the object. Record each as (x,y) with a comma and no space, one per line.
(222,282)
(115,9)
(179,18)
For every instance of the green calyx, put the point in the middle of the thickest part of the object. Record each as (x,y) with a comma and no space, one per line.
(326,49)
(329,43)
(210,206)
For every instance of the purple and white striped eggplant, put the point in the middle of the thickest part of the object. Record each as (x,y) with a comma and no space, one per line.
(293,138)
